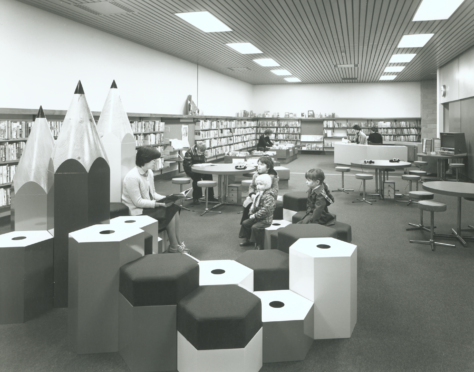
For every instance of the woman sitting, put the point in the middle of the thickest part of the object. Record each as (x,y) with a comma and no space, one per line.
(140,197)
(264,166)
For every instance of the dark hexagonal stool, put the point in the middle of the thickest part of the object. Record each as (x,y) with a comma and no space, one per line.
(343,230)
(293,202)
(274,239)
(278,212)
(151,288)
(290,234)
(220,329)
(271,269)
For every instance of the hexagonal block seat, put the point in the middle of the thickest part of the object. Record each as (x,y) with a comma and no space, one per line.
(288,321)
(146,223)
(290,234)
(220,329)
(224,272)
(294,202)
(271,269)
(324,270)
(276,225)
(150,289)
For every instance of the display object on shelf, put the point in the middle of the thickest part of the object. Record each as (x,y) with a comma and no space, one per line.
(33,200)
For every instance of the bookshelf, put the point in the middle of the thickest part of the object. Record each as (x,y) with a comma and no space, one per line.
(312,135)
(284,129)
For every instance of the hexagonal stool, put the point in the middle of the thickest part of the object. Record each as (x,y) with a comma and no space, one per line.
(288,322)
(278,211)
(150,289)
(118,209)
(220,329)
(293,202)
(26,275)
(274,239)
(290,234)
(146,223)
(324,270)
(276,224)
(224,272)
(283,173)
(271,269)
(96,254)
(343,230)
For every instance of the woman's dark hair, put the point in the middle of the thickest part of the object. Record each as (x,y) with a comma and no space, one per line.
(356,127)
(374,129)
(146,154)
(269,163)
(268,132)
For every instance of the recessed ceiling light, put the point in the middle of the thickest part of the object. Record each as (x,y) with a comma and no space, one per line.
(281,72)
(239,69)
(349,79)
(431,10)
(205,21)
(388,77)
(401,58)
(266,62)
(345,66)
(394,68)
(245,48)
(414,41)
(293,80)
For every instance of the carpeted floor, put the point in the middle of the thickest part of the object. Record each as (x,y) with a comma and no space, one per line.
(415,306)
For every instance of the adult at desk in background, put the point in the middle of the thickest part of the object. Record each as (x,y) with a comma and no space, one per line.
(361,137)
(264,140)
(196,155)
(375,138)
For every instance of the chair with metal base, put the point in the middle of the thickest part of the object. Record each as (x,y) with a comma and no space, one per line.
(410,178)
(414,197)
(181,181)
(343,170)
(207,185)
(456,167)
(432,206)
(420,173)
(420,164)
(364,177)
(425,195)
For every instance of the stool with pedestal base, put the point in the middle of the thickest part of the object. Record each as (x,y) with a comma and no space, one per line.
(410,178)
(181,181)
(363,177)
(422,195)
(432,206)
(456,167)
(415,196)
(207,185)
(343,170)
(420,173)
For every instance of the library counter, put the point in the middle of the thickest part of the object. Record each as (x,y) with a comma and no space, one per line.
(347,153)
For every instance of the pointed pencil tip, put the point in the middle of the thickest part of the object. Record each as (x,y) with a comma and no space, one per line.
(40,113)
(79,89)
(114,85)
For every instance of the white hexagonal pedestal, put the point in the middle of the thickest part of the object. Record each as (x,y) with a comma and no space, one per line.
(324,270)
(222,272)
(276,224)
(288,322)
(146,223)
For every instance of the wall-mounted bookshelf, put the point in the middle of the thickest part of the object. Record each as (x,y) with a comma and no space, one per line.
(284,129)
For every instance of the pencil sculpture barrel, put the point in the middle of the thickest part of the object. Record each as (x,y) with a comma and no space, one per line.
(81,185)
(33,199)
(118,140)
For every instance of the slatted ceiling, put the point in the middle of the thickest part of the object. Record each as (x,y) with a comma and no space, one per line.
(306,37)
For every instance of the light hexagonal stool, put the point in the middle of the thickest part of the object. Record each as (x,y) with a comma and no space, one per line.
(223,272)
(324,270)
(288,322)
(26,275)
(146,223)
(96,254)
(276,224)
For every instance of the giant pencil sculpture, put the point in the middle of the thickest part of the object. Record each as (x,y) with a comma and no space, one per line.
(81,185)
(117,137)
(33,200)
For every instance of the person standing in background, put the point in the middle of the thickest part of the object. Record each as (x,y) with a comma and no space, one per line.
(361,137)
(264,140)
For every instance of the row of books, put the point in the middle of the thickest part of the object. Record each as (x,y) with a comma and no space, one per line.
(5,198)
(14,129)
(278,123)
(399,131)
(337,132)
(370,124)
(11,151)
(226,149)
(147,126)
(55,127)
(313,146)
(149,139)
(285,137)
(224,124)
(213,142)
(6,173)
(311,138)
(281,130)
(329,143)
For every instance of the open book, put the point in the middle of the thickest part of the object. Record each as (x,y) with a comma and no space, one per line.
(174,197)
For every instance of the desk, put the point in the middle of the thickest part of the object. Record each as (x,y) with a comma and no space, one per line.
(441,162)
(379,165)
(223,171)
(459,190)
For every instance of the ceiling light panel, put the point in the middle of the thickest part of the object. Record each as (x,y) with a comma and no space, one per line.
(293,80)
(388,77)
(394,68)
(432,10)
(281,72)
(205,21)
(266,62)
(414,41)
(401,58)
(244,48)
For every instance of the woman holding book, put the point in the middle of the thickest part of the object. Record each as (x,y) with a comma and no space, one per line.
(140,197)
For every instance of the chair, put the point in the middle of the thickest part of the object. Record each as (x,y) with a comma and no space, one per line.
(422,195)
(207,185)
(415,196)
(410,178)
(420,173)
(181,181)
(363,177)
(420,163)
(456,167)
(343,170)
(432,206)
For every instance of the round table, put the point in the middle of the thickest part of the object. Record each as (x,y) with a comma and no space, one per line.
(223,171)
(379,165)
(441,160)
(459,190)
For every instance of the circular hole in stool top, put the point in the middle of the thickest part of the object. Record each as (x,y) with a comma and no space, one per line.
(276,224)
(323,246)
(19,238)
(130,221)
(107,232)
(218,271)
(277,304)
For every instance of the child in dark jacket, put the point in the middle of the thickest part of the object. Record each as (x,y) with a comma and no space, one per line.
(261,213)
(319,198)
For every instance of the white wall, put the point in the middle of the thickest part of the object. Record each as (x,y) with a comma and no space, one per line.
(44,55)
(376,100)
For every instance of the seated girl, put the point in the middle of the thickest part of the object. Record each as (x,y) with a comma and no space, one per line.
(140,197)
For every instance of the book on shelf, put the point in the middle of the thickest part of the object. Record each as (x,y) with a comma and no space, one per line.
(147,126)
(5,198)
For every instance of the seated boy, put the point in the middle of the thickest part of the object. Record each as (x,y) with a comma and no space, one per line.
(319,198)
(260,214)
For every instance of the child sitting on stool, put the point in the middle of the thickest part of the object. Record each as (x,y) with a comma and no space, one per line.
(319,198)
(261,213)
